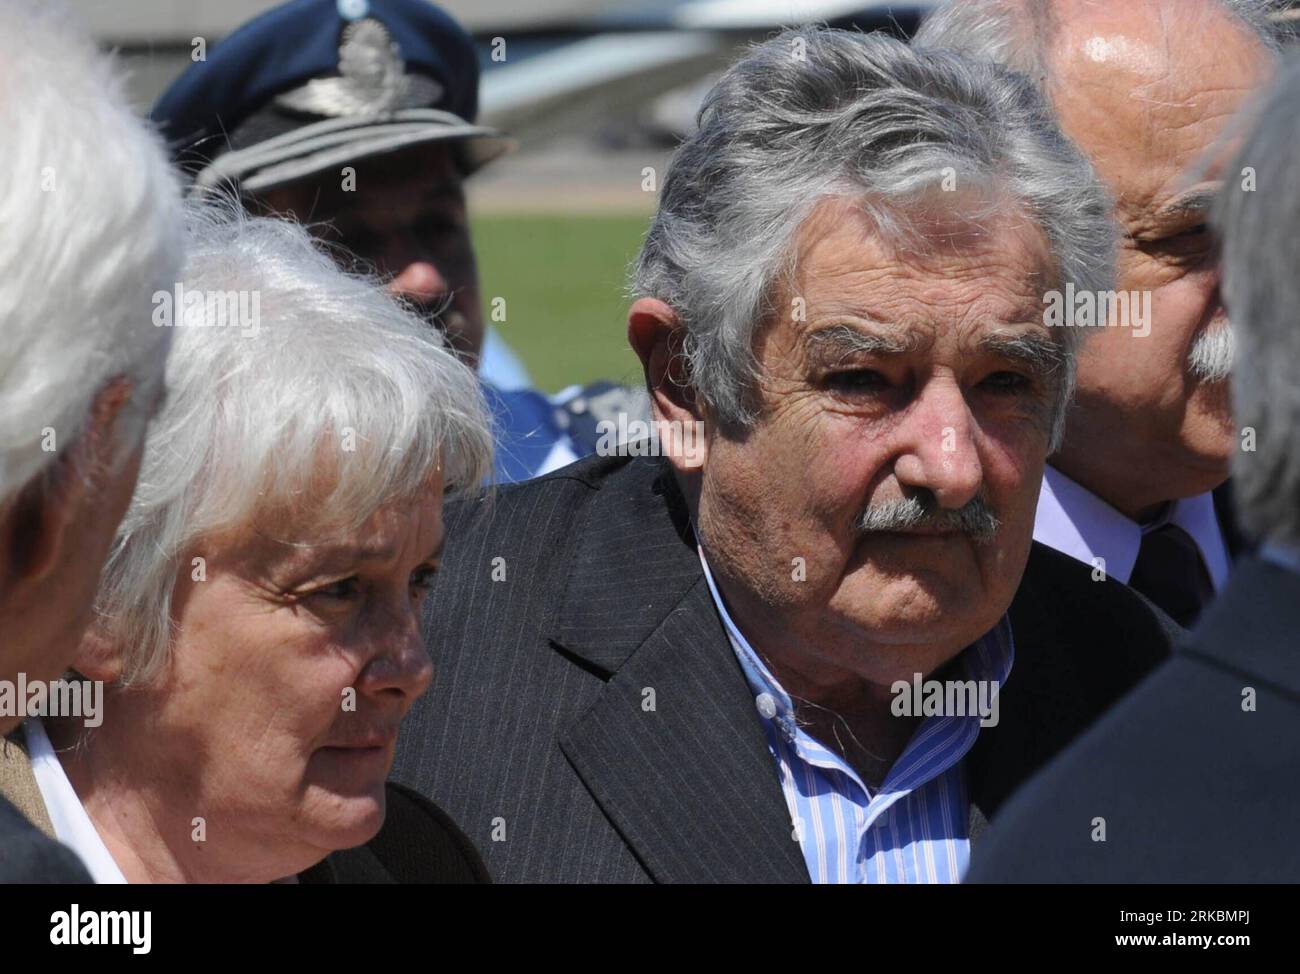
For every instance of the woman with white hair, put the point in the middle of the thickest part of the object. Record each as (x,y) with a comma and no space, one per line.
(258,619)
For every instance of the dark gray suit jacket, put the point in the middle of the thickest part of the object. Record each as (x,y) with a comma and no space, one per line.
(539,737)
(1191,786)
(28,856)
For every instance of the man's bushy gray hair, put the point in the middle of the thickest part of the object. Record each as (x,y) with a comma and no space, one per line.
(816,113)
(91,220)
(1261,284)
(256,421)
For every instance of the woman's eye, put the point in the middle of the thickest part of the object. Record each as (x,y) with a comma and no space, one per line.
(343,589)
(422,579)
(857,380)
(1006,382)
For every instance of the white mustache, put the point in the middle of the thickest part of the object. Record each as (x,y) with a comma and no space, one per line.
(1211,354)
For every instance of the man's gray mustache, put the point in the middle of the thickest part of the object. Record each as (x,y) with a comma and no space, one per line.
(975,518)
(1211,355)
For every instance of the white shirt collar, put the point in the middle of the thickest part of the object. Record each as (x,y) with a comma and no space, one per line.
(1078,523)
(72,826)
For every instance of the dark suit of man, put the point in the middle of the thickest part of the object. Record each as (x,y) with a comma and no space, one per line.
(28,856)
(589,720)
(1192,786)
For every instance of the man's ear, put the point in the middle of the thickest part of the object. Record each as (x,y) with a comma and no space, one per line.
(38,525)
(656,334)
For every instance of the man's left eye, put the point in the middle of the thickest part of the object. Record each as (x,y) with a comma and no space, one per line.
(1006,382)
(435,227)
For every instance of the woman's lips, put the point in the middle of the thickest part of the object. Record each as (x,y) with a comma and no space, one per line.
(370,741)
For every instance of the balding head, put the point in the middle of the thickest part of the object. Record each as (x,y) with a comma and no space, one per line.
(1146,88)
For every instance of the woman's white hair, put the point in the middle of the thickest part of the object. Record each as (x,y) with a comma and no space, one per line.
(293,387)
(92,229)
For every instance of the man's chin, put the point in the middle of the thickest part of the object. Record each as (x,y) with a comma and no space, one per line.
(926,605)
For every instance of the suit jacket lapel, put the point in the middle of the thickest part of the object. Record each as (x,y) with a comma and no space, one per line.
(672,750)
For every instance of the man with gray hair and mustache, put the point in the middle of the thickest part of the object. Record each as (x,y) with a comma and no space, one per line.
(1143,87)
(1192,778)
(777,657)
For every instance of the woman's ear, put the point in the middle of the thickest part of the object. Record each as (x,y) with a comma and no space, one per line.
(657,336)
(98,656)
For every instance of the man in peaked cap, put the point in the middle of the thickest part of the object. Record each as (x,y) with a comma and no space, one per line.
(357,116)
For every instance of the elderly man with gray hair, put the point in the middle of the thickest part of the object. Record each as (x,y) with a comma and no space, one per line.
(92,230)
(776,640)
(1137,488)
(1192,778)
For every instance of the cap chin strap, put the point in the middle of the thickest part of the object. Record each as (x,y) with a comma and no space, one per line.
(311,148)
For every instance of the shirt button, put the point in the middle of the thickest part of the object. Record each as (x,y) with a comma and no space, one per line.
(766,704)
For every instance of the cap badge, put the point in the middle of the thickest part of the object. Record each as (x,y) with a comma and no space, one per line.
(372,78)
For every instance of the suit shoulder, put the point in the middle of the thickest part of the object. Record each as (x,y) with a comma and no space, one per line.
(504,508)
(27,855)
(1081,603)
(1154,791)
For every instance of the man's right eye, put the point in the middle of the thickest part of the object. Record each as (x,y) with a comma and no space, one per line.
(857,380)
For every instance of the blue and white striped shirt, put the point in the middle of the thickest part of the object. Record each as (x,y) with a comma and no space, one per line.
(914,828)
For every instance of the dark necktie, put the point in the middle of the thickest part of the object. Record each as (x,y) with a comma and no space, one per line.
(1169,571)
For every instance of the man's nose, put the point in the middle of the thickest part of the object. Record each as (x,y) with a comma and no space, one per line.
(939,452)
(420,282)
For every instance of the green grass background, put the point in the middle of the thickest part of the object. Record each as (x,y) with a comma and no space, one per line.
(563,277)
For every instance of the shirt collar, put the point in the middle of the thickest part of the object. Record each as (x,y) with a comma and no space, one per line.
(987,659)
(72,826)
(1078,523)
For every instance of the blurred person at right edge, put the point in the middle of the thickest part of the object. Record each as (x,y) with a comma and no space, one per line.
(357,117)
(1192,778)
(1139,488)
